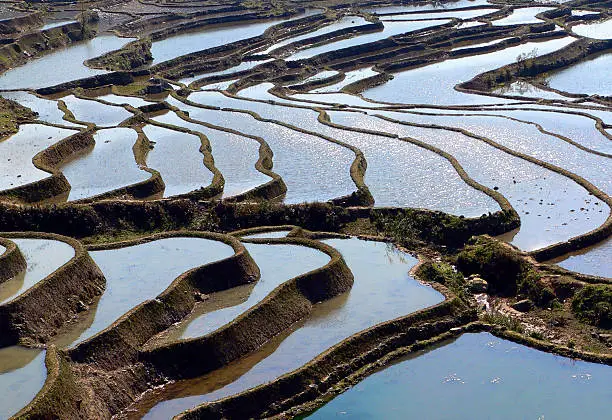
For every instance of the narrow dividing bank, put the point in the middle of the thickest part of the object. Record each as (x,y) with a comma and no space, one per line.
(17,152)
(313,169)
(478,373)
(277,263)
(594,260)
(46,108)
(205,38)
(93,112)
(140,272)
(235,156)
(53,69)
(349,77)
(108,166)
(345,22)
(390,29)
(43,257)
(527,139)
(179,158)
(543,199)
(577,128)
(399,174)
(383,290)
(435,83)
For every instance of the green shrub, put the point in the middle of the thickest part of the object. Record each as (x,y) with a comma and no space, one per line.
(444,274)
(593,305)
(498,264)
(529,284)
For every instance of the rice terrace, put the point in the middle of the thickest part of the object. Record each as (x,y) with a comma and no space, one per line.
(375,209)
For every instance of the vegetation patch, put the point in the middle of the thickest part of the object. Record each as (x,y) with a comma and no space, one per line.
(131,56)
(593,305)
(11,115)
(443,273)
(505,269)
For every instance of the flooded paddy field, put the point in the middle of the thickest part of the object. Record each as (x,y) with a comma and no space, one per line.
(370,301)
(379,209)
(500,370)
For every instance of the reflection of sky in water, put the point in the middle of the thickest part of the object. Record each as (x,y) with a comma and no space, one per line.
(479,376)
(383,290)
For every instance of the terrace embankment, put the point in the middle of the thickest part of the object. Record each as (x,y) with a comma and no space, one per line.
(132,55)
(50,160)
(531,67)
(11,115)
(11,260)
(37,314)
(115,359)
(358,352)
(41,42)
(112,218)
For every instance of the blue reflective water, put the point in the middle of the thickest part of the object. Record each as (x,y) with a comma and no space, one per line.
(479,376)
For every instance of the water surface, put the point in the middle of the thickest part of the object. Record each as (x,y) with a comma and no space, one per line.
(141,272)
(390,29)
(22,375)
(435,84)
(108,166)
(95,112)
(383,290)
(17,152)
(46,108)
(178,158)
(552,207)
(313,169)
(277,263)
(601,30)
(594,260)
(572,79)
(345,22)
(35,73)
(482,374)
(235,156)
(43,257)
(427,179)
(522,16)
